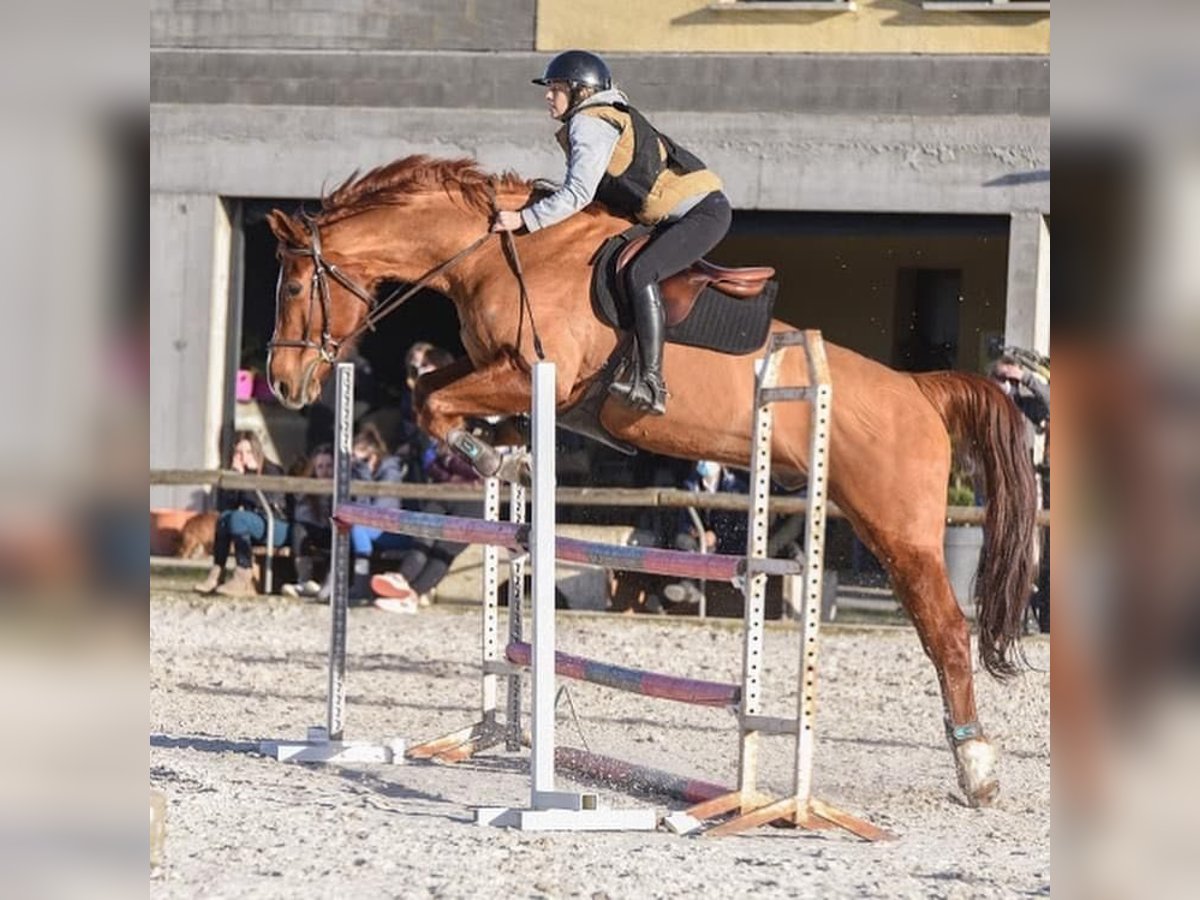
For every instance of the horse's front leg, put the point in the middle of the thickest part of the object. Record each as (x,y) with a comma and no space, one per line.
(499,388)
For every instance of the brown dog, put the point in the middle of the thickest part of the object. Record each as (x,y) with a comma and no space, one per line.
(197,536)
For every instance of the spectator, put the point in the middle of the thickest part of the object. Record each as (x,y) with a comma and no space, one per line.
(242,521)
(425,563)
(310,528)
(713,530)
(654,527)
(371,462)
(1029,392)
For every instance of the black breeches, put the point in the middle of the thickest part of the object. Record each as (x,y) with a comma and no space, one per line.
(677,245)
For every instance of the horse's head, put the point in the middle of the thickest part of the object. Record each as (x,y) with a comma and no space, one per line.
(318,312)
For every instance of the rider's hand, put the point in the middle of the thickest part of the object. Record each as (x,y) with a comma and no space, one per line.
(508,220)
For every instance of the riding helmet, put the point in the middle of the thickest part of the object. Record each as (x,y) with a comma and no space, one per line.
(579,69)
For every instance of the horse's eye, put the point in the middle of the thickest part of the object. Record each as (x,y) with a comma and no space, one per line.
(294,288)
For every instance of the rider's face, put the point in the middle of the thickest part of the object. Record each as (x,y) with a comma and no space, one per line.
(558,98)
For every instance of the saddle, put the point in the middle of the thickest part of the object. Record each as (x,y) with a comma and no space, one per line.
(681,290)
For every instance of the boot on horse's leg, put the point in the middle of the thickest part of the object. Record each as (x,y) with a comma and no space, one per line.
(515,468)
(646,390)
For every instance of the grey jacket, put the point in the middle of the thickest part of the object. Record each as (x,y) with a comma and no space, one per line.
(591,142)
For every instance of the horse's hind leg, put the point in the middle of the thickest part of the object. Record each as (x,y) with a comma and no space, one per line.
(919,578)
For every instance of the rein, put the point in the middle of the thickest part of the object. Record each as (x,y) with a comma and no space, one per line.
(514,260)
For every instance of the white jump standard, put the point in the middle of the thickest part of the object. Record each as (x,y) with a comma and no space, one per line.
(549,808)
(327,743)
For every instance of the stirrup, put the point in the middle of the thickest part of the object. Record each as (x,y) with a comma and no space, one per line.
(649,394)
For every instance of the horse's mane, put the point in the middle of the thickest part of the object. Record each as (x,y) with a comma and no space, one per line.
(397,182)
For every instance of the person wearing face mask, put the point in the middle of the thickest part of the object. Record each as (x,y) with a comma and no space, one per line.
(617,157)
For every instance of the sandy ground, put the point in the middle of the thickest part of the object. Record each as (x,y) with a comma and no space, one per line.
(225,675)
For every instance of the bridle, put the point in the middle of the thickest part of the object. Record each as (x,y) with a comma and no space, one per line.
(323,269)
(329,347)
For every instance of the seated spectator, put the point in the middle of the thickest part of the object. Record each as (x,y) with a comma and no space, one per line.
(311,530)
(426,562)
(371,462)
(242,522)
(709,530)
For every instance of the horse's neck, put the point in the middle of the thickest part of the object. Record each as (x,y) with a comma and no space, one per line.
(408,247)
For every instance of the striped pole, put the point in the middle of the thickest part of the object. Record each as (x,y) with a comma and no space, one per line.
(635,681)
(464,530)
(627,776)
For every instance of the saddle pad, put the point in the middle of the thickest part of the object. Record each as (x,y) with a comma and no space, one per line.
(717,321)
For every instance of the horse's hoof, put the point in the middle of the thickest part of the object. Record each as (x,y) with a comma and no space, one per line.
(975,760)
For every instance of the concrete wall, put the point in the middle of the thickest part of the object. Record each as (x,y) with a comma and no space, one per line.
(189,291)
(876,26)
(344,24)
(863,164)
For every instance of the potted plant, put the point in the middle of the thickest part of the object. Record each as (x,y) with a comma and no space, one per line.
(963,542)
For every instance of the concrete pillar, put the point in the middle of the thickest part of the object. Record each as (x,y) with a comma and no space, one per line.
(1027,309)
(190,240)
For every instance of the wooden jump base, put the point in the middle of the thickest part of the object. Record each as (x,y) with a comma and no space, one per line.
(635,681)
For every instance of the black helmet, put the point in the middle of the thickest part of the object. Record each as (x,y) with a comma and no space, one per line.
(578,68)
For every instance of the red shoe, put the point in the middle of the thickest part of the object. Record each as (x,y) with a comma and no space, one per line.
(391,584)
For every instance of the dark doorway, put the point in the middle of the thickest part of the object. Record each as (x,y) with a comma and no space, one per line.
(928,304)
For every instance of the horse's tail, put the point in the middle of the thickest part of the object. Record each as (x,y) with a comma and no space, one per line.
(987,425)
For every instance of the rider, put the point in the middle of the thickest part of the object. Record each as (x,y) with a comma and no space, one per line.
(615,156)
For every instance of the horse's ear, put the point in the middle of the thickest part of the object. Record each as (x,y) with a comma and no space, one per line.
(284,227)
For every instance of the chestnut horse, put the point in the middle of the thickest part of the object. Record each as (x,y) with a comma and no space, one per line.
(420,220)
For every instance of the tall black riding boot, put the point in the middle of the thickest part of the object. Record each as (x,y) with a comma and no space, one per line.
(647,391)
